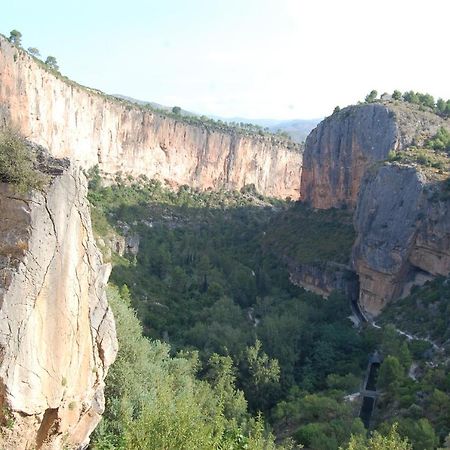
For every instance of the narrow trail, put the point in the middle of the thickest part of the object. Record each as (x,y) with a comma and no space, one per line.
(412,337)
(358,317)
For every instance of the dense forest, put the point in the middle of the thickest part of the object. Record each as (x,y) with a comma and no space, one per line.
(210,286)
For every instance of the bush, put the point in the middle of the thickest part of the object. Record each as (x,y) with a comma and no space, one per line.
(17,163)
(441,140)
(391,441)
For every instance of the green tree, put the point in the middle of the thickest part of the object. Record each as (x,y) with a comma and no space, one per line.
(260,377)
(176,110)
(221,374)
(390,340)
(397,95)
(15,37)
(52,63)
(426,100)
(391,374)
(420,433)
(377,441)
(34,51)
(441,105)
(411,97)
(263,370)
(404,356)
(372,96)
(441,140)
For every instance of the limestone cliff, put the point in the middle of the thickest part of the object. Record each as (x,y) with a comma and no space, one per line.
(57,333)
(91,128)
(401,219)
(341,148)
(403,225)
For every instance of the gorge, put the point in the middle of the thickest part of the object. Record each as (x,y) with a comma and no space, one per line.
(361,208)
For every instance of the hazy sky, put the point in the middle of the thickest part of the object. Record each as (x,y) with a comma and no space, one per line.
(248,58)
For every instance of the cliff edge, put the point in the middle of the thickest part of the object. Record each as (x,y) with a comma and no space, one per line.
(57,332)
(91,128)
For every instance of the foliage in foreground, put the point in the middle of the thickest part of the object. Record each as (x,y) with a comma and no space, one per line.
(17,162)
(377,441)
(155,400)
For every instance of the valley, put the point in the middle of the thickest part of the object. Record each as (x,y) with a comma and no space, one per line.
(195,284)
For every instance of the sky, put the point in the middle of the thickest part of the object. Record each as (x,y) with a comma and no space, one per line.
(280,59)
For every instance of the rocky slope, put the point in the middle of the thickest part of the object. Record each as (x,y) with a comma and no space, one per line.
(341,148)
(57,333)
(91,129)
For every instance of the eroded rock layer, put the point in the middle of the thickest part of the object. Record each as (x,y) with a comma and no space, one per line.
(91,129)
(57,333)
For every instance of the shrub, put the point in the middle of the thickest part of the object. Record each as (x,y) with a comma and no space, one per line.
(17,163)
(441,140)
(371,97)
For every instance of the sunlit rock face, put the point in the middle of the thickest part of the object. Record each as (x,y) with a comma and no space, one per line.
(57,333)
(91,129)
(343,146)
(339,150)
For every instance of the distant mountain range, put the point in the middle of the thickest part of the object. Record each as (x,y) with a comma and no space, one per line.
(297,129)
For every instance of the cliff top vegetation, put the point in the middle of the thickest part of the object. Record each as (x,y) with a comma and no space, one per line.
(432,159)
(18,162)
(424,101)
(176,113)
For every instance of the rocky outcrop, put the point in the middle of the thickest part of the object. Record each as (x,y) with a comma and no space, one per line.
(57,333)
(91,128)
(403,225)
(339,150)
(323,279)
(401,219)
(343,146)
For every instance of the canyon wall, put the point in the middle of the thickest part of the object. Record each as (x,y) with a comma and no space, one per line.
(339,150)
(401,217)
(403,225)
(91,128)
(343,146)
(57,333)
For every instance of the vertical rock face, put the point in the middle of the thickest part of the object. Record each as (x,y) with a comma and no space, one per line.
(91,129)
(343,146)
(403,232)
(340,149)
(403,226)
(385,221)
(57,333)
